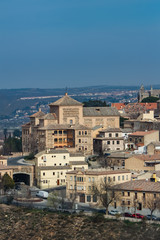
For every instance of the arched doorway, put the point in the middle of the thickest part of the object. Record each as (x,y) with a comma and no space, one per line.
(22,177)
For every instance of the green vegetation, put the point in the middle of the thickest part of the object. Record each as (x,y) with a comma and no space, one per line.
(7,182)
(150,100)
(95,103)
(12,144)
(122,119)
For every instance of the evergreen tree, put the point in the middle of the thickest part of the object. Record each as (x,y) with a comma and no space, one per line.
(7,182)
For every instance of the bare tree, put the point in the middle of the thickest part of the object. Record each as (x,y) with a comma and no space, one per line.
(53,200)
(105,193)
(152,203)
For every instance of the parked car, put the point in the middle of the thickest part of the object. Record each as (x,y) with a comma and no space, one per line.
(138,215)
(127,214)
(42,194)
(153,217)
(114,212)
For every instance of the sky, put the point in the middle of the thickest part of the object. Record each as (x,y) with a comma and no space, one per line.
(76,43)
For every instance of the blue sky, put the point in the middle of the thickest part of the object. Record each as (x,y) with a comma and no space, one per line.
(58,43)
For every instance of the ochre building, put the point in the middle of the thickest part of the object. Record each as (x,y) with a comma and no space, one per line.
(68,125)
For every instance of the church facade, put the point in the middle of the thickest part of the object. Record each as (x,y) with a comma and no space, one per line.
(68,125)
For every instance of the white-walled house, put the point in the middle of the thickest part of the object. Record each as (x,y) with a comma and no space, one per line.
(52,165)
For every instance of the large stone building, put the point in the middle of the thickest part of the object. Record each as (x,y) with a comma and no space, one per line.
(81,183)
(68,125)
(148,93)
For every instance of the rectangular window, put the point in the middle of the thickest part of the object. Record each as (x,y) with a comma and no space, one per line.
(128,202)
(79,140)
(119,178)
(135,195)
(116,134)
(89,187)
(108,142)
(71,178)
(113,142)
(89,179)
(89,198)
(144,195)
(128,194)
(53,173)
(44,174)
(85,132)
(118,142)
(79,132)
(123,177)
(126,177)
(114,179)
(122,193)
(154,195)
(94,198)
(64,157)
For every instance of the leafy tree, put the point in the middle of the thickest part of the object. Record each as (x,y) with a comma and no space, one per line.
(150,99)
(95,103)
(7,182)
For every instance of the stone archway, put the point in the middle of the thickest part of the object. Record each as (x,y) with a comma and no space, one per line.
(22,177)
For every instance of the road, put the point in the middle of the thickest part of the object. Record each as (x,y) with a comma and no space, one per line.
(17,161)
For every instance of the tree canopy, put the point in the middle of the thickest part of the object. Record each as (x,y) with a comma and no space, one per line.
(7,182)
(12,144)
(95,103)
(150,99)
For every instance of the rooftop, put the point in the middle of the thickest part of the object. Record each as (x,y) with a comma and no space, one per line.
(146,157)
(54,167)
(98,172)
(78,163)
(64,127)
(66,101)
(50,116)
(100,111)
(142,133)
(139,186)
(38,114)
(112,130)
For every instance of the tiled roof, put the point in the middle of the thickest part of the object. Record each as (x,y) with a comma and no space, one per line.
(50,116)
(119,106)
(100,172)
(64,126)
(112,130)
(52,151)
(142,133)
(146,157)
(100,111)
(139,186)
(38,114)
(3,158)
(78,163)
(66,101)
(43,168)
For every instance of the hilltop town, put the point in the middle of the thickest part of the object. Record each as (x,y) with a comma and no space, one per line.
(73,156)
